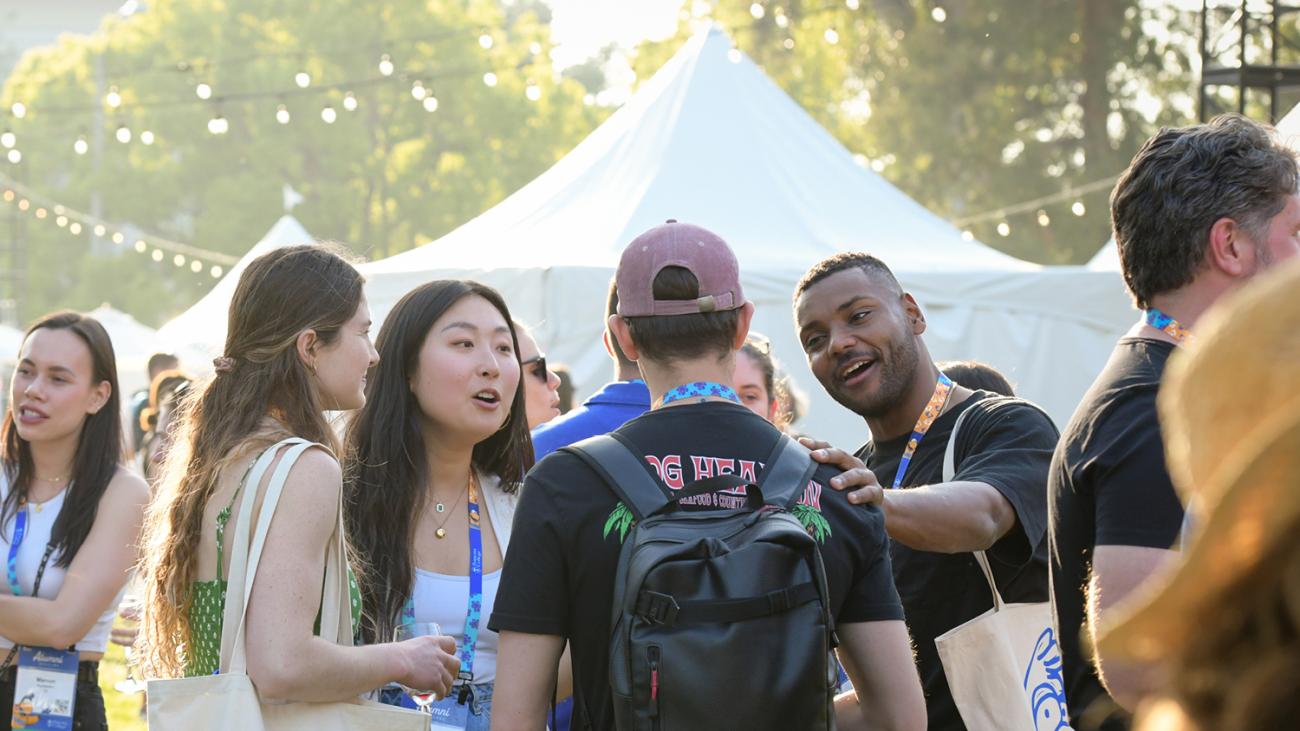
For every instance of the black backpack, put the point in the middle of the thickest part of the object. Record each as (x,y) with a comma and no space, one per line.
(721,617)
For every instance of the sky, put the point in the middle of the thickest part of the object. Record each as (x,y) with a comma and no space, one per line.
(580,28)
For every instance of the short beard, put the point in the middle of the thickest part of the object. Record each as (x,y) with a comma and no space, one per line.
(895,379)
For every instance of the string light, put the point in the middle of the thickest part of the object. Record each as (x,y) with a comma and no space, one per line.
(282,114)
(430,104)
(939,14)
(218,125)
(113,99)
(1044,219)
(61,221)
(385,65)
(146,137)
(100,230)
(490,79)
(533,91)
(757,11)
(216,272)
(24,204)
(852,4)
(350,102)
(8,139)
(485,41)
(1004,229)
(418,91)
(328,115)
(831,36)
(203,91)
(19,109)
(119,238)
(157,255)
(141,246)
(302,79)
(81,147)
(123,134)
(15,156)
(968,235)
(196,266)
(780,19)
(9,196)
(41,213)
(179,260)
(1078,208)
(74,228)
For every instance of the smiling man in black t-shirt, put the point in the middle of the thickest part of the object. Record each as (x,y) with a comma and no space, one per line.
(682,315)
(1199,211)
(862,336)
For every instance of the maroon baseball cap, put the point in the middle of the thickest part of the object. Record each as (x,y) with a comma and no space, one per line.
(697,250)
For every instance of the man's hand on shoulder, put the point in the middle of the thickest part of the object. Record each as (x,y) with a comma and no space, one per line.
(862,483)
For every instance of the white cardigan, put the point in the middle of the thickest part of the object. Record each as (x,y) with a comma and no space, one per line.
(500,507)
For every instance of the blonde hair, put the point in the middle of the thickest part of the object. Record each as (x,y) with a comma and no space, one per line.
(265,396)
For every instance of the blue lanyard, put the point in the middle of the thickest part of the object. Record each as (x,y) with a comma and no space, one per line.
(475,613)
(700,390)
(942,390)
(20,531)
(1171,327)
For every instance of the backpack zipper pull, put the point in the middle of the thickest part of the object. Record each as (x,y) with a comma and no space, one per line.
(654,681)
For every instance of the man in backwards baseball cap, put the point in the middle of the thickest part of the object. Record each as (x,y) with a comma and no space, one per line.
(682,314)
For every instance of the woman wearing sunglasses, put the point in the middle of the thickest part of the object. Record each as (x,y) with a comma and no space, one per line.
(541,385)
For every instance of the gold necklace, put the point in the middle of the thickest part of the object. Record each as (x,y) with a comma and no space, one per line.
(441,532)
(38,507)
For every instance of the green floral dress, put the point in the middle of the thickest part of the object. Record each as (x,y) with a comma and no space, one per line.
(207,611)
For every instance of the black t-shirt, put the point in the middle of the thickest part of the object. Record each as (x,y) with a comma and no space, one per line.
(1002,443)
(559,571)
(1109,486)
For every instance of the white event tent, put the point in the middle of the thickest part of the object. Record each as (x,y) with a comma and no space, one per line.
(198,334)
(711,140)
(11,340)
(1106,259)
(133,343)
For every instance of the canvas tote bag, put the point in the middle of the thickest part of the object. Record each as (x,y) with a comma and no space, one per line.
(1004,666)
(228,700)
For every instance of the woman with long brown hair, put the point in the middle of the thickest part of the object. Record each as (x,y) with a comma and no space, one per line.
(298,345)
(70,511)
(438,453)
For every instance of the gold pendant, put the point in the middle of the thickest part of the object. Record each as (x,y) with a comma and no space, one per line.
(38,507)
(441,533)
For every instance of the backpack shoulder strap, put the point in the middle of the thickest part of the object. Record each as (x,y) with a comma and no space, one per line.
(789,468)
(625,473)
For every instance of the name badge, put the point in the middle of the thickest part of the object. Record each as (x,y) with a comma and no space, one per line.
(45,689)
(447,714)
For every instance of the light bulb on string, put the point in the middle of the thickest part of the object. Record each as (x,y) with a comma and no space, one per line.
(146,137)
(1004,229)
(61,221)
(179,260)
(781,20)
(418,91)
(852,4)
(113,98)
(756,10)
(430,103)
(59,210)
(157,255)
(123,134)
(196,266)
(216,272)
(218,125)
(302,79)
(939,14)
(831,36)
(788,44)
(385,65)
(141,246)
(81,146)
(100,230)
(328,115)
(119,238)
(24,204)
(203,91)
(1044,219)
(282,114)
(8,196)
(8,139)
(19,109)
(15,156)
(41,213)
(1078,208)
(485,41)
(533,91)
(74,228)
(490,79)
(350,102)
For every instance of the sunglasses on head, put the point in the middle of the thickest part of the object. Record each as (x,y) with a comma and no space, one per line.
(540,371)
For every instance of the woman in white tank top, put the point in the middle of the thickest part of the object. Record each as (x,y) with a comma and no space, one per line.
(443,429)
(70,513)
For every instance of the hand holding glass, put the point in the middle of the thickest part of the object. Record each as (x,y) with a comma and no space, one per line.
(422,698)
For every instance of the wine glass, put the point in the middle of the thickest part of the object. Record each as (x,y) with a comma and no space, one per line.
(423,698)
(129,614)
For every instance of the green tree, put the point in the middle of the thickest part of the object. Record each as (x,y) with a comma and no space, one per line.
(971,106)
(385,177)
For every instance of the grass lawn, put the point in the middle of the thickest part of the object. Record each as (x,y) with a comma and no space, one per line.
(123,710)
